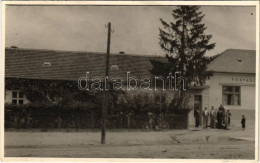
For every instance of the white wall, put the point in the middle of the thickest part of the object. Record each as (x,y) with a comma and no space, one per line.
(8,96)
(245,81)
(248,97)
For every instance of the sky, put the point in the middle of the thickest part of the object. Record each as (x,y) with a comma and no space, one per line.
(136,28)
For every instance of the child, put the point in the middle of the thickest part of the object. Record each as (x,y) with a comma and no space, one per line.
(243,122)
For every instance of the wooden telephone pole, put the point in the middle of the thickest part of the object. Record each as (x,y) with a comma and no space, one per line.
(105,101)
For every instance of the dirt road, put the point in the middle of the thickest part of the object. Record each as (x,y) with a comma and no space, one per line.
(193,143)
(222,150)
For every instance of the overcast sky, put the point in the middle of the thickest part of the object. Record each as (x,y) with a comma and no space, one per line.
(136,28)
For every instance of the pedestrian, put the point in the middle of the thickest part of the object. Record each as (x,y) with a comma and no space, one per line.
(205,117)
(225,113)
(220,116)
(212,117)
(229,117)
(197,116)
(243,122)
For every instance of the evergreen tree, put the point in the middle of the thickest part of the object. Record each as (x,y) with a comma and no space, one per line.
(185,43)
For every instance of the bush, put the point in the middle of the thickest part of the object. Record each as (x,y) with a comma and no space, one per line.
(54,116)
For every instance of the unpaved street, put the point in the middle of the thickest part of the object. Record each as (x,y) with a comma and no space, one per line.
(192,143)
(222,150)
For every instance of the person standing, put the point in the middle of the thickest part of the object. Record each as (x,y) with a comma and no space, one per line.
(206,117)
(212,118)
(225,119)
(243,122)
(197,116)
(223,113)
(229,117)
(219,117)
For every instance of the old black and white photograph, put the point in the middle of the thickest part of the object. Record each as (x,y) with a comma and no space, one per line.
(130,81)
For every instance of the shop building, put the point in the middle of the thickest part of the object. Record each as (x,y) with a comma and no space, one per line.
(232,83)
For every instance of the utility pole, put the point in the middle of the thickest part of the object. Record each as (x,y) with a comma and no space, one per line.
(105,101)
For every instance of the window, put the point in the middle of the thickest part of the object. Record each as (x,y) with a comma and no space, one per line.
(231,95)
(17,97)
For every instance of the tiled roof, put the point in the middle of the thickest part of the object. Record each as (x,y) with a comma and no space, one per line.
(234,61)
(66,65)
(70,65)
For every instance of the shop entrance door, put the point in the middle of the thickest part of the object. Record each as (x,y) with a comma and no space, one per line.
(198,103)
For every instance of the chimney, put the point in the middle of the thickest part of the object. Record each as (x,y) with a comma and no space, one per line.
(114,67)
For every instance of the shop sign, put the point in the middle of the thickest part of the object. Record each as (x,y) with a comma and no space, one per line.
(244,80)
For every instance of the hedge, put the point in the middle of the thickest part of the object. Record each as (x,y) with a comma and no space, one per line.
(40,116)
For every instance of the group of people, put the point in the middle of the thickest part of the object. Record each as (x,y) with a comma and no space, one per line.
(213,118)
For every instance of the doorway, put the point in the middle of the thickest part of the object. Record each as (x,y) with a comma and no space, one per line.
(198,104)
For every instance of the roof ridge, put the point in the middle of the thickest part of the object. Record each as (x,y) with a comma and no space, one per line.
(71,51)
(52,50)
(240,49)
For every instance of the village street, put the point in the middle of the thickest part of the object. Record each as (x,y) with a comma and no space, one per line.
(130,80)
(196,143)
(192,143)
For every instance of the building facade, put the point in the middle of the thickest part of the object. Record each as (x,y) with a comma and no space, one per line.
(232,83)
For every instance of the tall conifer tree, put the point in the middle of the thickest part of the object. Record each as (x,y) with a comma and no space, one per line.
(185,43)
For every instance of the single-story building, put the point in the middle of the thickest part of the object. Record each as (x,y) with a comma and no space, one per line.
(232,83)
(65,65)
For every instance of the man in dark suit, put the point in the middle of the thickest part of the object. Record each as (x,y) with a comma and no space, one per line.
(197,116)
(220,116)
